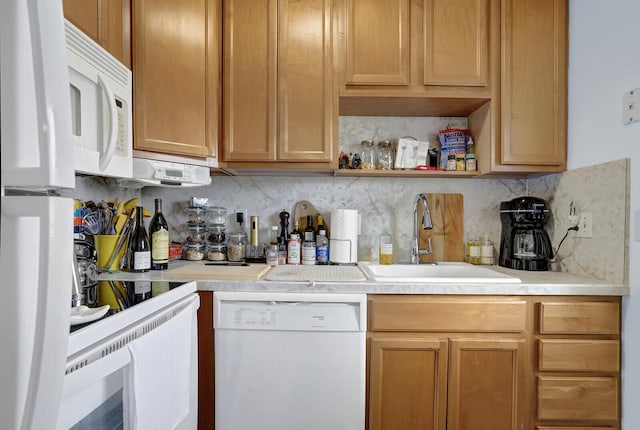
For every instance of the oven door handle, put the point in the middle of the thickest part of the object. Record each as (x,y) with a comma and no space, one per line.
(99,369)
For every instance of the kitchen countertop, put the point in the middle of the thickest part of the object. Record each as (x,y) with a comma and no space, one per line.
(533,283)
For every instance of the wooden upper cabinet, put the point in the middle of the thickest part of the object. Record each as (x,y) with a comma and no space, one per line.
(456,42)
(377,42)
(108,22)
(280,102)
(534,83)
(418,58)
(175,56)
(250,79)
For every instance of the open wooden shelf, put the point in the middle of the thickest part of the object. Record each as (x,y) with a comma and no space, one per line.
(408,173)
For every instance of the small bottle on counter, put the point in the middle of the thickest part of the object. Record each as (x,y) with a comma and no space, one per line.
(486,251)
(271,253)
(322,248)
(293,249)
(475,250)
(309,244)
(385,249)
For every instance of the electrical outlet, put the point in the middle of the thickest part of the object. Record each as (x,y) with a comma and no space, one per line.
(585,225)
(631,107)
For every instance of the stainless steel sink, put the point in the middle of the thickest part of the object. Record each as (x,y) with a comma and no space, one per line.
(444,272)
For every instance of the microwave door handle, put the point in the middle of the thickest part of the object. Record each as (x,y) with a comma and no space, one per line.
(110,147)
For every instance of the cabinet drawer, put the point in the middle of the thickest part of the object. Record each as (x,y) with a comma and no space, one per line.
(578,398)
(440,314)
(580,318)
(573,428)
(579,355)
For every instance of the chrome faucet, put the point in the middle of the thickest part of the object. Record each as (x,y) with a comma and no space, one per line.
(427,224)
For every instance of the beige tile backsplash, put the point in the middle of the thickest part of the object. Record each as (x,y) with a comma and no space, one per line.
(386,203)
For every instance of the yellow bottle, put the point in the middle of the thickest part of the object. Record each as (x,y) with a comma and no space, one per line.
(385,249)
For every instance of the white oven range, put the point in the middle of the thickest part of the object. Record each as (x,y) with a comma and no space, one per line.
(135,368)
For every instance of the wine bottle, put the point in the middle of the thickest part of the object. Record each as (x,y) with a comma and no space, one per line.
(139,251)
(309,232)
(159,232)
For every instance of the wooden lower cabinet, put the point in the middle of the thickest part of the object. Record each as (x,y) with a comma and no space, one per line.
(578,363)
(431,367)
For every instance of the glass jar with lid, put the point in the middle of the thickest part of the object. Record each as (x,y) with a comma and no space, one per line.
(237,247)
(385,155)
(368,156)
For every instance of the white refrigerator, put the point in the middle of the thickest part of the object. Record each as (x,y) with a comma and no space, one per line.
(36,237)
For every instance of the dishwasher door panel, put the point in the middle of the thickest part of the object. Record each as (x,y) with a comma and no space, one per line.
(289,379)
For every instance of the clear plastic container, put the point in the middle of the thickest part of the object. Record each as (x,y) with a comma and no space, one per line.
(217,215)
(217,252)
(196,216)
(196,233)
(194,251)
(216,234)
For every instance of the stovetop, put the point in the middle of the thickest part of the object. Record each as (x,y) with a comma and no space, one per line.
(140,299)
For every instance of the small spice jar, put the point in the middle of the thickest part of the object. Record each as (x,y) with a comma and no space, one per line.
(385,155)
(460,162)
(237,247)
(368,157)
(471,162)
(451,162)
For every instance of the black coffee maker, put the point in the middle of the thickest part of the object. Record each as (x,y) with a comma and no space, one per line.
(524,244)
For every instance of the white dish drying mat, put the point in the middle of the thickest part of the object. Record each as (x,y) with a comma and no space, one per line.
(156,383)
(327,273)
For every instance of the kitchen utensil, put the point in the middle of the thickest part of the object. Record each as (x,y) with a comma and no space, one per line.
(120,299)
(93,222)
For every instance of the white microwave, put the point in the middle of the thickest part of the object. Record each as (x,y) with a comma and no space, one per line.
(101,108)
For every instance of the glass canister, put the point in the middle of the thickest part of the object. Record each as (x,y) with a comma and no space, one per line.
(385,155)
(237,247)
(368,157)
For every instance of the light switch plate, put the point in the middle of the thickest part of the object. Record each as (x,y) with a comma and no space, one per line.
(631,107)
(637,226)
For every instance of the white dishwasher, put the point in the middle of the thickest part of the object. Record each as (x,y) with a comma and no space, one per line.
(289,361)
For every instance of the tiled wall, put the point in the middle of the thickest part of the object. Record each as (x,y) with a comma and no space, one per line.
(603,190)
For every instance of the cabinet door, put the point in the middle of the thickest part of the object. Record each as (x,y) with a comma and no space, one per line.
(307,99)
(408,386)
(377,42)
(176,76)
(250,80)
(105,21)
(456,42)
(486,385)
(534,82)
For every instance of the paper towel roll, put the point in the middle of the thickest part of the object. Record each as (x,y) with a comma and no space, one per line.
(343,245)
